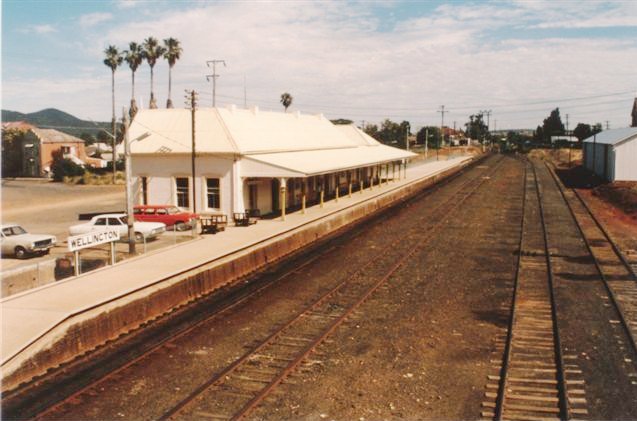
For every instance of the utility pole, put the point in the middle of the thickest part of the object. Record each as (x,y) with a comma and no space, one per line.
(129,197)
(191,102)
(607,125)
(214,77)
(442,124)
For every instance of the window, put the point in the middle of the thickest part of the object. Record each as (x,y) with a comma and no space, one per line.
(212,192)
(182,192)
(66,150)
(100,221)
(114,222)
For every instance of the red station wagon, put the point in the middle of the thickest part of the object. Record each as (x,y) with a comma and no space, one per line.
(168,214)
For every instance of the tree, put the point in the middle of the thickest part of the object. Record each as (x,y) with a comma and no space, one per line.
(372,130)
(172,54)
(88,138)
(113,60)
(552,126)
(286,100)
(12,152)
(405,131)
(134,57)
(476,128)
(61,166)
(151,52)
(432,131)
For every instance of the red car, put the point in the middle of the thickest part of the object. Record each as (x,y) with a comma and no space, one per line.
(168,214)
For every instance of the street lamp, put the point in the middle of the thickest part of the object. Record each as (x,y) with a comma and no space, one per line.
(129,197)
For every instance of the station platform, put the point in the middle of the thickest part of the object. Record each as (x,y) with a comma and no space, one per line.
(52,324)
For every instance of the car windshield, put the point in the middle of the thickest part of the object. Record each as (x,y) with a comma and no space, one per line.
(173,210)
(15,230)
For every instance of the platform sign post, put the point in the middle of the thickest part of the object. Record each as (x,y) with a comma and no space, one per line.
(90,239)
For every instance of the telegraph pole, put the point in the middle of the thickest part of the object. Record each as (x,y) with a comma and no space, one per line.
(569,142)
(442,124)
(191,102)
(214,77)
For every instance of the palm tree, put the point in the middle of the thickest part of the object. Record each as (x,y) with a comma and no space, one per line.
(172,54)
(152,51)
(286,100)
(134,58)
(113,60)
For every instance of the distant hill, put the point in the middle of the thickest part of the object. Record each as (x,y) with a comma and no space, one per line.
(52,118)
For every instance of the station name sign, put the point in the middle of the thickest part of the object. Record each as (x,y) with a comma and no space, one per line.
(93,238)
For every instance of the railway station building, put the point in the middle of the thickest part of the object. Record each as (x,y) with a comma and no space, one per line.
(253,159)
(612,154)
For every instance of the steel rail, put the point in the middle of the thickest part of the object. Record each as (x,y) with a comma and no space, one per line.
(500,404)
(559,358)
(618,306)
(285,371)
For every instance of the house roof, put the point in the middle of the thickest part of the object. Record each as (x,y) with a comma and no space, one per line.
(290,144)
(55,136)
(19,125)
(614,136)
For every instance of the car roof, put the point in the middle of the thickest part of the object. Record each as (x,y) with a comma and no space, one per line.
(110,215)
(8,224)
(155,206)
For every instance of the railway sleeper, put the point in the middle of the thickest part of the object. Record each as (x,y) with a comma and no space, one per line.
(530,408)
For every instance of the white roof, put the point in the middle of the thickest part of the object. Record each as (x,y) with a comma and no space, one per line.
(288,144)
(308,163)
(613,137)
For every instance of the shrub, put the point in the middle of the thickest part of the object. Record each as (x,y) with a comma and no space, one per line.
(62,167)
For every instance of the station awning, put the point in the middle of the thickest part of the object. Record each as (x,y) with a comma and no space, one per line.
(317,162)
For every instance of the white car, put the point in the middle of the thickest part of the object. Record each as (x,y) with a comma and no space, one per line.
(15,240)
(143,230)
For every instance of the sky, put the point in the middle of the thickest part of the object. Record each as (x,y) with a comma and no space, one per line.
(360,60)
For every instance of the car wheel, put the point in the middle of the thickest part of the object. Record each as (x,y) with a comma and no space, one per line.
(181,226)
(20,252)
(139,237)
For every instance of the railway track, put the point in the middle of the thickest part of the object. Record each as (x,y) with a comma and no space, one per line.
(614,269)
(438,214)
(242,386)
(530,384)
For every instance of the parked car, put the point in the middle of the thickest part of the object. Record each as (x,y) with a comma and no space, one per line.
(167,214)
(143,230)
(17,241)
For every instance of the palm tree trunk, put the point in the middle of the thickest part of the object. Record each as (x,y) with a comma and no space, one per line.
(113,123)
(133,103)
(153,102)
(169,103)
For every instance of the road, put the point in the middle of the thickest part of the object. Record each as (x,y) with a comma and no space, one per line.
(44,207)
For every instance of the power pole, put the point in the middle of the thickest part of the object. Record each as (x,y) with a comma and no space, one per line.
(191,102)
(607,126)
(214,77)
(442,124)
(130,221)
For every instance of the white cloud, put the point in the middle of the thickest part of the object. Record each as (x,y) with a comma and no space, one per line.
(92,19)
(331,57)
(40,29)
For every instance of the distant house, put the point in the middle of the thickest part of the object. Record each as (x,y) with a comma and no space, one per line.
(612,154)
(251,159)
(564,138)
(39,145)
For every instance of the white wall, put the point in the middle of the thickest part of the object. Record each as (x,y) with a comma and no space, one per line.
(162,170)
(626,161)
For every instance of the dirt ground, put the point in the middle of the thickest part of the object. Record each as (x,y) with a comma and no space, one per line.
(614,204)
